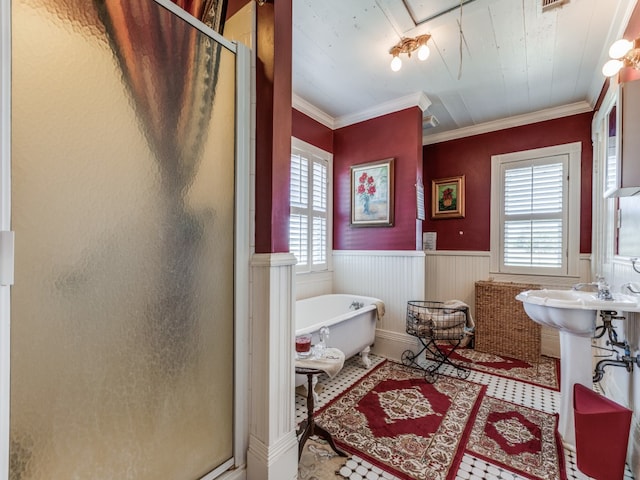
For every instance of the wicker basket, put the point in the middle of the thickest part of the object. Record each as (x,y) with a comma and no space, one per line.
(502,326)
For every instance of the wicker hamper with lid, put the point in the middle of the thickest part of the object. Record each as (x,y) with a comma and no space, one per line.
(502,326)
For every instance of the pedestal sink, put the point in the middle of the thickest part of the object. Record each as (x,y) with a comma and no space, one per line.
(573,313)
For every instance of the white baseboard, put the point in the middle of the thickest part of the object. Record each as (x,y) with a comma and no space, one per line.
(239,474)
(391,344)
(276,461)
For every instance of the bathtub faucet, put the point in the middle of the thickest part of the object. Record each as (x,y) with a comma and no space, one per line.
(604,292)
(356,305)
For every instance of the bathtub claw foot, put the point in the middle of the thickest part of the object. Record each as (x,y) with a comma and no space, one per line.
(364,357)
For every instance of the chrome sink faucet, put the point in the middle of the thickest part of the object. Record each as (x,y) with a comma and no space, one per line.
(604,292)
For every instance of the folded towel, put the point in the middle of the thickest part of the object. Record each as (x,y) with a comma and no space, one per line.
(330,363)
(460,304)
(379,308)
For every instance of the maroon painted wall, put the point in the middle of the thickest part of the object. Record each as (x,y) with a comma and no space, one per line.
(471,156)
(309,130)
(273,126)
(397,135)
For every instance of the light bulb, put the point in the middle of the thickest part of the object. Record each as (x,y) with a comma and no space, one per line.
(423,52)
(619,48)
(612,67)
(396,63)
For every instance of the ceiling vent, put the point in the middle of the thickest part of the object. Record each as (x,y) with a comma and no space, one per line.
(551,4)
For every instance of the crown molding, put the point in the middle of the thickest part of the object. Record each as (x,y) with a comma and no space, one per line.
(312,111)
(510,122)
(421,101)
(418,99)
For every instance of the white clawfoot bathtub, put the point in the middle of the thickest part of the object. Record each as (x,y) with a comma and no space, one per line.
(351,320)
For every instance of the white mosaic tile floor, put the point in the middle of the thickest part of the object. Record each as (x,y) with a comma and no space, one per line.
(471,468)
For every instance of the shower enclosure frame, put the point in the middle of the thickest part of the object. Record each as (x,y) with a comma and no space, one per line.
(242,238)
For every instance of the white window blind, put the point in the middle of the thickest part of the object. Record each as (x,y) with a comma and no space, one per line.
(611,173)
(309,228)
(534,215)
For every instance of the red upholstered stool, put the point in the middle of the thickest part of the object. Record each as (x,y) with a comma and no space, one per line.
(602,434)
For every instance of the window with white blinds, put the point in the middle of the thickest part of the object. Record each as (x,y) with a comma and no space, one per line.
(535,211)
(533,215)
(309,225)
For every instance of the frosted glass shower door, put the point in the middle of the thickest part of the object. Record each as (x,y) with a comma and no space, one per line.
(122,311)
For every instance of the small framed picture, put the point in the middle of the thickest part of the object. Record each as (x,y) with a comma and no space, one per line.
(372,194)
(447,197)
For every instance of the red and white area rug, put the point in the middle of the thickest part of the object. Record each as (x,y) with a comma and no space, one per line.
(518,438)
(546,373)
(415,430)
(404,425)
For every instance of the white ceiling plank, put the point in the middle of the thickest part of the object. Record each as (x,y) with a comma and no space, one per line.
(516,60)
(397,15)
(422,10)
(508,27)
(450,18)
(581,26)
(484,103)
(540,42)
(458,110)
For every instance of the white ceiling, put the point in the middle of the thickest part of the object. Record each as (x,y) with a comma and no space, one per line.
(514,65)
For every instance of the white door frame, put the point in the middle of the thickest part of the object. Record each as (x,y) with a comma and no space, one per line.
(5,225)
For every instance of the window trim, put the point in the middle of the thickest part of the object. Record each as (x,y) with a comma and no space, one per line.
(604,231)
(572,247)
(311,150)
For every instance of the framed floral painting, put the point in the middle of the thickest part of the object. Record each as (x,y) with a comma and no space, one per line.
(447,197)
(372,194)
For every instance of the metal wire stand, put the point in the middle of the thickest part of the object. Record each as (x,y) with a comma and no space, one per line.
(433,322)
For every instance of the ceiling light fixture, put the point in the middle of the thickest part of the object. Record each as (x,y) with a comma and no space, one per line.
(408,46)
(623,53)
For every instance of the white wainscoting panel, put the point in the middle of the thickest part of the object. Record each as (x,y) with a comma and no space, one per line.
(452,275)
(313,284)
(619,385)
(399,276)
(273,446)
(394,277)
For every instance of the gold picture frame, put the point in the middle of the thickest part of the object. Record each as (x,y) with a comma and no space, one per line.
(447,197)
(372,194)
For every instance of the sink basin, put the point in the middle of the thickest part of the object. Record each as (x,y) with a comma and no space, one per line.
(572,311)
(578,299)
